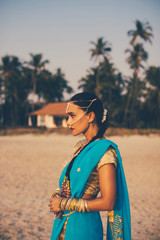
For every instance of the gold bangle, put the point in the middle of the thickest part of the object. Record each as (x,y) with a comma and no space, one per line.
(78,205)
(83,206)
(59,202)
(86,206)
(62,204)
(55,193)
(75,204)
(70,208)
(68,204)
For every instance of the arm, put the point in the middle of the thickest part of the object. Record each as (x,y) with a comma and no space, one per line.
(107,182)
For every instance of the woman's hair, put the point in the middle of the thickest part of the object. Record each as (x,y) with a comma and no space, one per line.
(89,102)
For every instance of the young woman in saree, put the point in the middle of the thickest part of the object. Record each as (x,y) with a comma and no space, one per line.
(96,167)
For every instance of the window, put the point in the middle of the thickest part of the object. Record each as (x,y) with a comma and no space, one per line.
(42,119)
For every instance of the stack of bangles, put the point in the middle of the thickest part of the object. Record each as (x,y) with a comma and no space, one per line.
(73,204)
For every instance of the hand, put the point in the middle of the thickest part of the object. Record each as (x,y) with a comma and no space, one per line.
(54,204)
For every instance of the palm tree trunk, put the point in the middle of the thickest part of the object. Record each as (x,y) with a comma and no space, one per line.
(97,81)
(134,100)
(129,100)
(34,89)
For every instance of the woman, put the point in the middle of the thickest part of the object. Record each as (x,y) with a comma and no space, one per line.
(96,166)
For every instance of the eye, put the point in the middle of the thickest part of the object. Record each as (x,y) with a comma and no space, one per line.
(70,115)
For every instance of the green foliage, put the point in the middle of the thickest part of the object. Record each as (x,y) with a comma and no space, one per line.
(18,81)
(153,93)
(100,50)
(143,31)
(13,89)
(52,87)
(137,55)
(132,102)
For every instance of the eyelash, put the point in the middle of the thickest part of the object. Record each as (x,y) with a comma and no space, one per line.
(72,116)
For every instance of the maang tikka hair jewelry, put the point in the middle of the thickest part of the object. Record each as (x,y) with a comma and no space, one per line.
(76,101)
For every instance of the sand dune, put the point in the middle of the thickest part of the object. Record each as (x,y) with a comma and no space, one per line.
(29,170)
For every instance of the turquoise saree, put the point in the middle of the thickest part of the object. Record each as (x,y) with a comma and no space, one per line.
(88,225)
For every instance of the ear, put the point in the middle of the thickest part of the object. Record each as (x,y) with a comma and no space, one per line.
(91,116)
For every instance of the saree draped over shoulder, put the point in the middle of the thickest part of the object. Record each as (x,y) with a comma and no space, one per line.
(88,225)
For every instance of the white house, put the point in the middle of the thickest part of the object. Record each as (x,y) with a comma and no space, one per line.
(50,116)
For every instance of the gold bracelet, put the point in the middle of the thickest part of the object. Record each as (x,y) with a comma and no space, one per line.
(81,205)
(83,209)
(62,203)
(76,200)
(78,205)
(65,203)
(59,202)
(55,193)
(86,206)
(71,205)
(68,204)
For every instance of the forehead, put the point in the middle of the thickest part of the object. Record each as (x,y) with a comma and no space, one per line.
(71,107)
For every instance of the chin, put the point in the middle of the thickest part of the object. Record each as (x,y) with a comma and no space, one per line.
(74,133)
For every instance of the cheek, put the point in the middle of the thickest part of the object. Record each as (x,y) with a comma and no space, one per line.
(82,125)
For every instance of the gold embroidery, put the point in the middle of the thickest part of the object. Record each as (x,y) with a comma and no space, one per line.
(118,228)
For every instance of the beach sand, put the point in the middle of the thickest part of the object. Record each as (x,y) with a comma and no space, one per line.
(30,166)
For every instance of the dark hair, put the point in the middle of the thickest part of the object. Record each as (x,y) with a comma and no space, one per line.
(84,101)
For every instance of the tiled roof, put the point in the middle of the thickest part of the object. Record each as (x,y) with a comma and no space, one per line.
(55,109)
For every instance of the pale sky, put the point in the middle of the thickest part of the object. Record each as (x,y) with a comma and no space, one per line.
(62,31)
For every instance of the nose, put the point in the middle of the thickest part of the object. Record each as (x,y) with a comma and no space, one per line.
(68,121)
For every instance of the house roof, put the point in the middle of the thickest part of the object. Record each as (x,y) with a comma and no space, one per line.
(55,109)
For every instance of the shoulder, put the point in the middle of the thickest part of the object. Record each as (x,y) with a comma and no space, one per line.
(79,145)
(106,143)
(110,156)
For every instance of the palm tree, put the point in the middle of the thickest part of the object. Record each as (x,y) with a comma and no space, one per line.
(14,89)
(137,55)
(101,49)
(135,60)
(52,86)
(153,77)
(143,31)
(88,83)
(36,65)
(61,85)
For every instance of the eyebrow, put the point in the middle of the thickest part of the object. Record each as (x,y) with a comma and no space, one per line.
(69,113)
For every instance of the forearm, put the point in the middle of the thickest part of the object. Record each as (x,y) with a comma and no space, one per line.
(101,204)
(83,205)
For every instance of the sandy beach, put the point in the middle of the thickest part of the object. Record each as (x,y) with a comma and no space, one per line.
(30,166)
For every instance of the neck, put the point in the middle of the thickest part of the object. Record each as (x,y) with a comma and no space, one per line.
(91,132)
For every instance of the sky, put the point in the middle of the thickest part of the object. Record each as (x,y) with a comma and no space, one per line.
(62,30)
